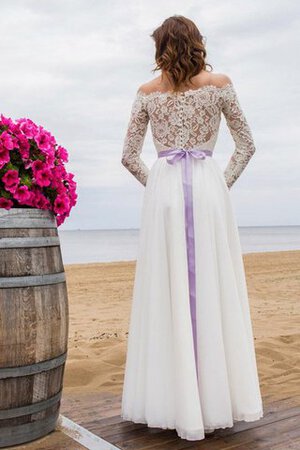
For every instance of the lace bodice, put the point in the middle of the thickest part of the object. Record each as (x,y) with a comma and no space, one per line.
(187,119)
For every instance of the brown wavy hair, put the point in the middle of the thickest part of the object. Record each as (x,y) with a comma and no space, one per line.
(180,50)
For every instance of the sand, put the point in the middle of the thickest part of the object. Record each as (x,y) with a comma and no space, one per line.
(100,302)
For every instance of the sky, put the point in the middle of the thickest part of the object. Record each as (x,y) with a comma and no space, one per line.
(74,66)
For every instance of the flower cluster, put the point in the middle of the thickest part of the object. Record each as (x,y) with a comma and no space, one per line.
(32,169)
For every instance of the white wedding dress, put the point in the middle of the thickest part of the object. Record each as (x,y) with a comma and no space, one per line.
(164,386)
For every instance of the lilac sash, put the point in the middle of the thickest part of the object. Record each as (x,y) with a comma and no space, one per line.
(186,155)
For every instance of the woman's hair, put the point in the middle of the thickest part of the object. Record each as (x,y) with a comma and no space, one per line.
(180,50)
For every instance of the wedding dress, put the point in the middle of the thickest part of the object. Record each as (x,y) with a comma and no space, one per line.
(191,363)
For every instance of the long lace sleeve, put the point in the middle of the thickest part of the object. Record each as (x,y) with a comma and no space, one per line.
(134,140)
(241,134)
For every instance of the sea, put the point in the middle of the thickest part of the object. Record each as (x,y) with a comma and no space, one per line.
(86,246)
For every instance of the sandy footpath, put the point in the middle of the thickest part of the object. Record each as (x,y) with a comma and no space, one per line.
(100,301)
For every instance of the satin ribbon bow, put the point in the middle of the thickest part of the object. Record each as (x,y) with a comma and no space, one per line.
(175,154)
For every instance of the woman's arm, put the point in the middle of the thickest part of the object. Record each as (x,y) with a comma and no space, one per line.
(240,132)
(134,140)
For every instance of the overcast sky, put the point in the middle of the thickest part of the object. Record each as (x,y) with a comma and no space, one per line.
(74,66)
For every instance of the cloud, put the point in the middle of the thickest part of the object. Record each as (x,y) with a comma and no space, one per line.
(74,66)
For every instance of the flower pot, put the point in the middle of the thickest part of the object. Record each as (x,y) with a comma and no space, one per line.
(33,324)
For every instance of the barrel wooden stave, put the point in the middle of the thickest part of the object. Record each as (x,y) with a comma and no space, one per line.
(27,232)
(30,261)
(39,316)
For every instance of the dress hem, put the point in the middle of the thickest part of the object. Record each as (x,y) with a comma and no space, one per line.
(198,434)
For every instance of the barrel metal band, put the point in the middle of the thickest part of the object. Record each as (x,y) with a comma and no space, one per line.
(19,434)
(32,280)
(30,409)
(22,371)
(29,242)
(27,218)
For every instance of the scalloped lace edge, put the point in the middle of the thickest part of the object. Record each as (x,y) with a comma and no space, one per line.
(194,435)
(188,91)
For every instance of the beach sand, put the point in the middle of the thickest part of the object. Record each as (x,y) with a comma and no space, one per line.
(100,301)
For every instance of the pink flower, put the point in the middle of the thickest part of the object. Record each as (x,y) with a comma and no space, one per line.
(44,140)
(22,194)
(6,140)
(62,153)
(60,172)
(50,159)
(73,198)
(41,173)
(40,201)
(61,204)
(4,156)
(23,146)
(11,180)
(71,182)
(43,177)
(59,220)
(37,165)
(7,122)
(28,128)
(5,203)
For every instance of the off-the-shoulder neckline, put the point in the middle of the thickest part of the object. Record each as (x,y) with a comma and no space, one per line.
(188,91)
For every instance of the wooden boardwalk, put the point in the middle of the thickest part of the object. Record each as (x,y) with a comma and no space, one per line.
(279,429)
(99,413)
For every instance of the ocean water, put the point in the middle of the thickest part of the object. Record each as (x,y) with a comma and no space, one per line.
(83,246)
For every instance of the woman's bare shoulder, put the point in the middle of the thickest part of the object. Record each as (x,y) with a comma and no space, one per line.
(216,79)
(220,79)
(149,86)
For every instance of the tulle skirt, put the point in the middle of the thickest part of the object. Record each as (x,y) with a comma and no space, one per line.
(161,387)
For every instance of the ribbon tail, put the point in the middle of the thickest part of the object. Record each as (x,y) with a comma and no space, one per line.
(190,243)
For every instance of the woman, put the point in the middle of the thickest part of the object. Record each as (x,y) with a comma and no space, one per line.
(191,362)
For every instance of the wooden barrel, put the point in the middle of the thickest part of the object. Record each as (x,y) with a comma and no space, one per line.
(33,324)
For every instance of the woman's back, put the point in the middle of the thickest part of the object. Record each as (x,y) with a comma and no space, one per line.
(188,119)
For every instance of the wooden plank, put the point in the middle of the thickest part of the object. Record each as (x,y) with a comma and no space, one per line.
(83,436)
(259,437)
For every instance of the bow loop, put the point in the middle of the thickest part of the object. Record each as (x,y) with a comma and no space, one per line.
(198,154)
(177,153)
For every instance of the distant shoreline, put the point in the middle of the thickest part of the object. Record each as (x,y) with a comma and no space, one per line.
(82,247)
(133,261)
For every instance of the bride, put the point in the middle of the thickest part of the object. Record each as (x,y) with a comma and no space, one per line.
(191,363)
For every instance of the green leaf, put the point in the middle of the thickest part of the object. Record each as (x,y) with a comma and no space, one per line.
(4,194)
